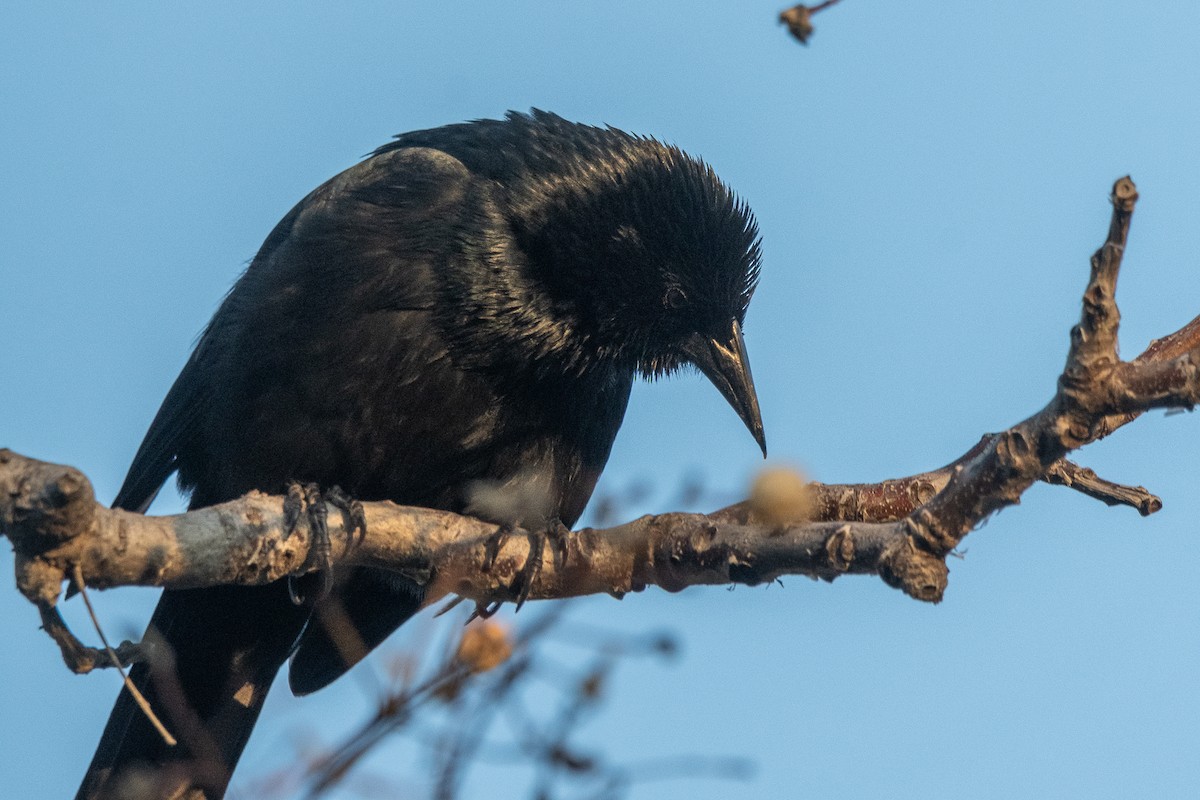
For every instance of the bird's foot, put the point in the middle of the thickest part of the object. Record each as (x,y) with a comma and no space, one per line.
(558,535)
(554,534)
(309,500)
(354,517)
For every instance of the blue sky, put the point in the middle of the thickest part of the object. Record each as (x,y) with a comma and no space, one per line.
(930,180)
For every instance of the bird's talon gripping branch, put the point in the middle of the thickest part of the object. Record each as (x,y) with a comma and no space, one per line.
(309,499)
(354,517)
(493,545)
(559,536)
(531,570)
(518,587)
(555,535)
(293,507)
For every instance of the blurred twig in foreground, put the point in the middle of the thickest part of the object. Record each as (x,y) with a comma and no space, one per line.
(493,697)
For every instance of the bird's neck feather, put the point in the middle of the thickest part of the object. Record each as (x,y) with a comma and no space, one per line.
(531,285)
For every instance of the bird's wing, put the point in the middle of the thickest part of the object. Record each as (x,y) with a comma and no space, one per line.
(180,417)
(323,240)
(173,425)
(229,642)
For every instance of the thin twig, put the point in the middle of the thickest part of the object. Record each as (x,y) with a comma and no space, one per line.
(1084,480)
(138,697)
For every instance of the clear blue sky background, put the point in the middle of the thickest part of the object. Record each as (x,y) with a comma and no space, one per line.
(930,179)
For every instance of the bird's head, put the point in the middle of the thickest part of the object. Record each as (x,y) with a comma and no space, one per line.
(653,261)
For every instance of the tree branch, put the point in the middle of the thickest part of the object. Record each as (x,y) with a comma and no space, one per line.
(902,530)
(1082,479)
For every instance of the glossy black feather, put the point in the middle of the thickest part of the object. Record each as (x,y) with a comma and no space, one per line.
(466,308)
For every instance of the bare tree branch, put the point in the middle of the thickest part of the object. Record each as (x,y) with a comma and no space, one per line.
(902,530)
(1082,479)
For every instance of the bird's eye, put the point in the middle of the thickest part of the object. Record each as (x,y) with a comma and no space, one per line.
(675,298)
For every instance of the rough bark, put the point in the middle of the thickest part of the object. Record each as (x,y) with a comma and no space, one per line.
(902,529)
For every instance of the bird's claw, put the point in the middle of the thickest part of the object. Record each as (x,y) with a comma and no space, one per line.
(310,500)
(555,534)
(484,611)
(523,581)
(354,517)
(293,507)
(559,536)
(492,547)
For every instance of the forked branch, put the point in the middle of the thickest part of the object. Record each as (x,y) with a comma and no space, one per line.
(902,529)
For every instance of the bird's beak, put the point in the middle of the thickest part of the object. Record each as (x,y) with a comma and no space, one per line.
(723,359)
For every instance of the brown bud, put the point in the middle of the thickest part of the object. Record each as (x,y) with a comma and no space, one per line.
(484,646)
(780,495)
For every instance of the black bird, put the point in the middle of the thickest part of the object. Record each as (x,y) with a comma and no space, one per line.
(466,307)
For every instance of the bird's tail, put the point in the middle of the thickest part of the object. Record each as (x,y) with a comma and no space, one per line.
(212,656)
